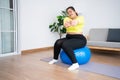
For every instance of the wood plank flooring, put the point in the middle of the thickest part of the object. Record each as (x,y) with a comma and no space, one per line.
(29,67)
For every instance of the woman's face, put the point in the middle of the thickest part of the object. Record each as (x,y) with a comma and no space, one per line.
(71,13)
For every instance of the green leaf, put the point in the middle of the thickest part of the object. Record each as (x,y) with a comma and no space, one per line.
(63,30)
(59,17)
(57,26)
(50,26)
(52,29)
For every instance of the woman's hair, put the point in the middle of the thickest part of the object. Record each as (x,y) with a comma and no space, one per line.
(71,7)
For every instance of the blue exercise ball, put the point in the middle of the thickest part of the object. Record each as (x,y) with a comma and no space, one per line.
(82,55)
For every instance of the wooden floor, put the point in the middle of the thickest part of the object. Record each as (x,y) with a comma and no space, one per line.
(29,67)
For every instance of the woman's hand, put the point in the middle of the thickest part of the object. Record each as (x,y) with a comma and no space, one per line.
(71,23)
(67,24)
(74,22)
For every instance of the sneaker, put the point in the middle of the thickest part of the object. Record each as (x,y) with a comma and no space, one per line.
(53,61)
(73,66)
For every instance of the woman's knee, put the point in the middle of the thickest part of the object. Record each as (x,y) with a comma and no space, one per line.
(58,42)
(65,45)
(83,43)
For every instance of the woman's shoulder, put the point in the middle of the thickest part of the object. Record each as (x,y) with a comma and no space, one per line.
(66,19)
(81,16)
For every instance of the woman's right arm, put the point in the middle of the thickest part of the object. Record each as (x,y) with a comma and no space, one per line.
(67,24)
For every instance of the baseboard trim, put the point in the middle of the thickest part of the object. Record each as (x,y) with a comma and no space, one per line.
(35,50)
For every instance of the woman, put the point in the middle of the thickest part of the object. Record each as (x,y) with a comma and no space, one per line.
(74,38)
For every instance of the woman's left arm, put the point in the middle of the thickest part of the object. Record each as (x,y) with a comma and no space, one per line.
(79,20)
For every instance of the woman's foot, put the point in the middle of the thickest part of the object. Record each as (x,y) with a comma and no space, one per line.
(53,61)
(73,66)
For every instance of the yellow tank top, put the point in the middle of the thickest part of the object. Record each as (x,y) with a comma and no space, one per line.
(77,28)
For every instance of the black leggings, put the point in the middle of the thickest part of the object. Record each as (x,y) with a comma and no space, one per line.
(68,44)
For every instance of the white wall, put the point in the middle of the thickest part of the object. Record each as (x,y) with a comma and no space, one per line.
(99,13)
(36,15)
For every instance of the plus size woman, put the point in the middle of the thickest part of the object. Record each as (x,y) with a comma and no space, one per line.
(74,38)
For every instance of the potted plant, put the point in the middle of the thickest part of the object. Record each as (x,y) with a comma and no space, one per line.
(58,26)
